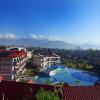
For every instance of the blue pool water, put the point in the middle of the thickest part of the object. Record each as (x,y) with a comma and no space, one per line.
(74,77)
(84,77)
(55,67)
(69,76)
(45,80)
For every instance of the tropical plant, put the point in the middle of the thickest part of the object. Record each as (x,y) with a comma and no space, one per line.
(47,95)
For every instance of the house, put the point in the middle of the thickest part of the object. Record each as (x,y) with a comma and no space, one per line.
(44,60)
(17,48)
(1,78)
(29,54)
(12,63)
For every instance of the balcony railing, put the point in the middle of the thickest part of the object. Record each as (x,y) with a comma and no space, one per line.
(5,63)
(20,68)
(14,63)
(20,62)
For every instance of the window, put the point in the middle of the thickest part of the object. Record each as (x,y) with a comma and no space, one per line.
(14,60)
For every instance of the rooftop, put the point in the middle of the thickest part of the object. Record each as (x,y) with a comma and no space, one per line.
(11,53)
(15,90)
(2,78)
(46,55)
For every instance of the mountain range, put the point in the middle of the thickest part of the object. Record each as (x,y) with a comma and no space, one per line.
(45,43)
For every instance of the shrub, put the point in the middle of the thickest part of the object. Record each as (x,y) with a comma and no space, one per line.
(47,95)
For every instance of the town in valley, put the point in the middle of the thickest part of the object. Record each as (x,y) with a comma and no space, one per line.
(46,65)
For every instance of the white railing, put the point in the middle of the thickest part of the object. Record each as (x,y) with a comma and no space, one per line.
(57,61)
(21,68)
(23,61)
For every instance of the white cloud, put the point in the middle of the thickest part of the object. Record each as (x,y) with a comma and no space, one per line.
(39,36)
(54,38)
(7,36)
(10,36)
(1,36)
(33,36)
(36,36)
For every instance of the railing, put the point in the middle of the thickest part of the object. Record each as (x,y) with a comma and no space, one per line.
(22,62)
(13,64)
(20,68)
(6,64)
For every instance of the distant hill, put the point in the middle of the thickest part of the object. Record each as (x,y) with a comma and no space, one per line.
(45,43)
(90,46)
(37,43)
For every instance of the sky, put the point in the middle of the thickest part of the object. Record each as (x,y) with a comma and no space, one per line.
(73,21)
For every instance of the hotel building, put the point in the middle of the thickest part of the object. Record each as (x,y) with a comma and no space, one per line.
(46,60)
(12,63)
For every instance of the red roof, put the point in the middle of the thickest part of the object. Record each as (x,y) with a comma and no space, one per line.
(11,53)
(30,81)
(81,92)
(1,78)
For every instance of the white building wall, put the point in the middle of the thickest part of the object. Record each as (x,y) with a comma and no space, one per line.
(9,68)
(45,61)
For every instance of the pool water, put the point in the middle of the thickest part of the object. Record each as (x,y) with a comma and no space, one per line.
(84,77)
(73,77)
(45,80)
(69,76)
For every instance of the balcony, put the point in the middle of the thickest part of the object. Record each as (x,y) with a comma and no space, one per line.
(20,69)
(5,63)
(22,62)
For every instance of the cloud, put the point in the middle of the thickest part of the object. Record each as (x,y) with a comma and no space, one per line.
(7,36)
(39,36)
(36,36)
(1,36)
(54,38)
(33,36)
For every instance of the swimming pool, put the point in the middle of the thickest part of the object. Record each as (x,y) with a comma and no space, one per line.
(84,77)
(45,80)
(74,77)
(69,76)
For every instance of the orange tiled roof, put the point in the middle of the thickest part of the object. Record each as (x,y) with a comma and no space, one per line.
(81,92)
(1,78)
(11,53)
(30,81)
